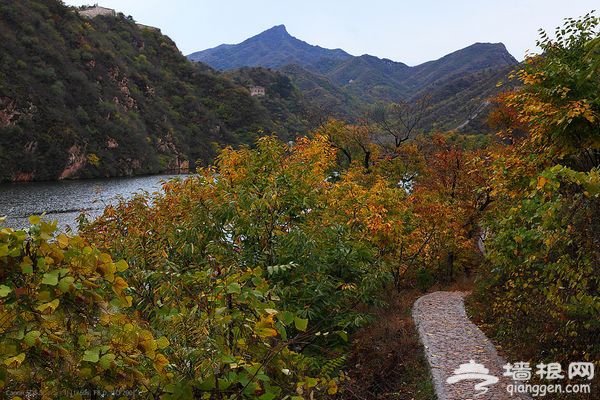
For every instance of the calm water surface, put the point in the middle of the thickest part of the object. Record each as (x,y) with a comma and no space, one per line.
(65,200)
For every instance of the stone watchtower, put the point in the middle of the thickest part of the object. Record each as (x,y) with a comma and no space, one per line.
(96,10)
(257,91)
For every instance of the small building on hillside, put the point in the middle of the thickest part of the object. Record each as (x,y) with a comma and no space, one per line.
(257,91)
(96,10)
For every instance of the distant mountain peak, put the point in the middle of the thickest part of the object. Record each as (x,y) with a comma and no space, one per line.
(273,48)
(278,28)
(278,31)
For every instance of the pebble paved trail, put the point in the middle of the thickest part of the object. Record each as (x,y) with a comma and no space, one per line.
(451,339)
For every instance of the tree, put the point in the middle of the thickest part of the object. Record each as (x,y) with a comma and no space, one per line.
(543,252)
(400,121)
(353,141)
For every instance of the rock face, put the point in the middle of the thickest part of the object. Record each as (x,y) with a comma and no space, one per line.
(77,160)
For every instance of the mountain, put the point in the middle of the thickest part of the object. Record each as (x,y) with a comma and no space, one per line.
(107,97)
(323,96)
(477,57)
(284,102)
(272,48)
(334,80)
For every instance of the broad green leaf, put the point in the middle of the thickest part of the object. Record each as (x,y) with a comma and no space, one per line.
(106,360)
(65,283)
(207,384)
(15,362)
(34,219)
(286,317)
(31,338)
(267,396)
(4,290)
(343,335)
(48,308)
(26,266)
(50,278)
(91,355)
(300,323)
(234,288)
(162,342)
(121,265)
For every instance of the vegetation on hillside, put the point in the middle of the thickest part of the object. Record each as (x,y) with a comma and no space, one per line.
(104,97)
(284,102)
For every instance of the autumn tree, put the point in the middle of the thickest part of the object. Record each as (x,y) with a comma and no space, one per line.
(543,252)
(244,273)
(398,122)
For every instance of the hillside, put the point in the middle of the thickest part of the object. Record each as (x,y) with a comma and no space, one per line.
(323,95)
(336,81)
(284,102)
(104,97)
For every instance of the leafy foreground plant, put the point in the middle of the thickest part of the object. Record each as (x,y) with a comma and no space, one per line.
(65,324)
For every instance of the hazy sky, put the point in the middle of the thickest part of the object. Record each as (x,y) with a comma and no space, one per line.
(408,31)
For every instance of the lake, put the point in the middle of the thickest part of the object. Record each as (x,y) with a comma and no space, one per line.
(65,200)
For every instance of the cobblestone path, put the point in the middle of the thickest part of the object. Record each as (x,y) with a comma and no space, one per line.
(451,339)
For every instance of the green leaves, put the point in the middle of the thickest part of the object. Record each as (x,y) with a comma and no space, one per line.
(51,278)
(92,356)
(4,250)
(287,317)
(162,342)
(105,362)
(225,264)
(4,290)
(70,293)
(300,324)
(49,307)
(31,338)
(234,288)
(121,265)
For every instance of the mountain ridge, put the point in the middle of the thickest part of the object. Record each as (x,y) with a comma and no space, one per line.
(278,35)
(328,76)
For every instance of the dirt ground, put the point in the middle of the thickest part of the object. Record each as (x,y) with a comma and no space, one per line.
(387,359)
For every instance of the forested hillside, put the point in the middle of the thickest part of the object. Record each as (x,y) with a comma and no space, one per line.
(104,97)
(458,86)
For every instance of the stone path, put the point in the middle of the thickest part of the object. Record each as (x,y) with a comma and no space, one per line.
(451,339)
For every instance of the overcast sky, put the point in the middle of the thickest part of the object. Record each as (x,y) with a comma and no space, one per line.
(408,31)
